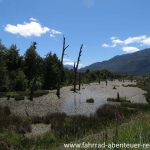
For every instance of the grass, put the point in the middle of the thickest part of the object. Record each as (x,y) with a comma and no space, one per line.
(64,128)
(129,85)
(11,137)
(69,128)
(145,85)
(39,93)
(121,99)
(136,130)
(20,95)
(136,106)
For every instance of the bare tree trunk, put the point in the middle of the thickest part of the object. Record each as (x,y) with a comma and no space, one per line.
(106,81)
(76,68)
(61,67)
(79,81)
(99,79)
(75,77)
(32,88)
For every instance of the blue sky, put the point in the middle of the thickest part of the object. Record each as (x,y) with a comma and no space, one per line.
(105,27)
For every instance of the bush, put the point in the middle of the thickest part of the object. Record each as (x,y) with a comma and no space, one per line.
(25,127)
(2,94)
(114,87)
(12,138)
(11,94)
(4,145)
(137,106)
(6,110)
(19,97)
(121,99)
(90,100)
(107,113)
(40,93)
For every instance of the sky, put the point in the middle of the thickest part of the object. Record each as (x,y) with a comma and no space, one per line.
(106,27)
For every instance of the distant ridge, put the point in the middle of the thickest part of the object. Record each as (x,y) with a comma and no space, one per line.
(137,63)
(69,67)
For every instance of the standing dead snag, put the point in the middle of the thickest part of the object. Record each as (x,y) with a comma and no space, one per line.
(79,81)
(76,68)
(32,88)
(61,67)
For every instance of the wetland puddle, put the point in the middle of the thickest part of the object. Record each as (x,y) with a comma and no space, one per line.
(75,103)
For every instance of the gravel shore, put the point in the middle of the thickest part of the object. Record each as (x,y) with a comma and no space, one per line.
(75,103)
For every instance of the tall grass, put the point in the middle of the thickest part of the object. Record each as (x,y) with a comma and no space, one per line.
(64,128)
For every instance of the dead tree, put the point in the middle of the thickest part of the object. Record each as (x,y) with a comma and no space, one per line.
(79,81)
(99,80)
(61,67)
(32,89)
(76,68)
(106,81)
(99,77)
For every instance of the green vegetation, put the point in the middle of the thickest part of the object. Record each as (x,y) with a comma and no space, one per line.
(64,128)
(118,99)
(90,100)
(135,131)
(133,64)
(144,83)
(30,72)
(17,73)
(31,76)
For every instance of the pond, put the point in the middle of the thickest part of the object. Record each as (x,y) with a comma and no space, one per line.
(75,103)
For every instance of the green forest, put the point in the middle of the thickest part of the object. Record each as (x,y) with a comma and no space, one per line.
(20,73)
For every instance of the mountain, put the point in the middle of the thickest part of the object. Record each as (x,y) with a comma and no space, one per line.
(69,67)
(137,63)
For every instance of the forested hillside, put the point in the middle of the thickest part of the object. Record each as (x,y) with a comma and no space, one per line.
(137,63)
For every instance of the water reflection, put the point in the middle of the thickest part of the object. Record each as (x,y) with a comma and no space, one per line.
(75,103)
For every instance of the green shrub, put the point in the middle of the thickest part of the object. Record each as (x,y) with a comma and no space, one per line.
(11,137)
(11,94)
(2,94)
(6,110)
(40,93)
(20,82)
(19,97)
(90,100)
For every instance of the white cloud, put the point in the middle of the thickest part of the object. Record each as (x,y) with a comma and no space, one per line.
(27,29)
(130,49)
(137,39)
(105,45)
(33,19)
(55,31)
(131,40)
(52,35)
(142,40)
(70,62)
(113,38)
(33,28)
(117,41)
(146,41)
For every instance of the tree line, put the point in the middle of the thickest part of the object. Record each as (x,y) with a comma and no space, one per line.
(32,72)
(19,72)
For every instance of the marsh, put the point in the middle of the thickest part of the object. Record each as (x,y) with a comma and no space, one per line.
(75,103)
